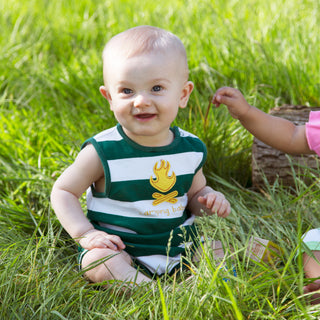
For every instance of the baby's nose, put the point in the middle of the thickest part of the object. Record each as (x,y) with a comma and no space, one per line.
(141,100)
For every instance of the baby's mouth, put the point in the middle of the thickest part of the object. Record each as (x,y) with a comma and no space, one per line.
(145,116)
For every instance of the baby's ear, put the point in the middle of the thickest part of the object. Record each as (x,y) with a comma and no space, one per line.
(103,90)
(185,94)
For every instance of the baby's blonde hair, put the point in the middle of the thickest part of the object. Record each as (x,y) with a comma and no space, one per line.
(145,39)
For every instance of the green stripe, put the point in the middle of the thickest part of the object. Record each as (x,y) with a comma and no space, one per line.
(138,251)
(150,244)
(111,149)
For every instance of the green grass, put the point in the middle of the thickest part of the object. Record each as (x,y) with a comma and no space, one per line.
(50,72)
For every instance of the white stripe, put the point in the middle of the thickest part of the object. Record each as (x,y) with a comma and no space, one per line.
(110,134)
(116,228)
(184,133)
(138,209)
(182,163)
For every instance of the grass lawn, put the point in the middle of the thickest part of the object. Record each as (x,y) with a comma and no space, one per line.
(50,72)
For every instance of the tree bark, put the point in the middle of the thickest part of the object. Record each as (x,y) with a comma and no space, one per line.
(269,164)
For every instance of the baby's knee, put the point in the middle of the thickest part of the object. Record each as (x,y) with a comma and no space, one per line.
(104,264)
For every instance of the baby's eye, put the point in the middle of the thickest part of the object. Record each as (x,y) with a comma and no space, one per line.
(156,88)
(126,91)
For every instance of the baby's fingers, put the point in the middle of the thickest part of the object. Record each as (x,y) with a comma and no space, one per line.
(224,209)
(110,241)
(217,203)
(102,240)
(117,241)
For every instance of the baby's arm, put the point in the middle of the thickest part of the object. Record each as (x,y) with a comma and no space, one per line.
(202,197)
(67,190)
(274,131)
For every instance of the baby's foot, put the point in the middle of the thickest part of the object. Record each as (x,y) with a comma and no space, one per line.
(311,287)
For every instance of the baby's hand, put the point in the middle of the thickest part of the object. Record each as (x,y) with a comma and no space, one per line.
(100,239)
(216,202)
(233,99)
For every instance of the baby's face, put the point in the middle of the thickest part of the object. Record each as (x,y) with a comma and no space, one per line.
(145,93)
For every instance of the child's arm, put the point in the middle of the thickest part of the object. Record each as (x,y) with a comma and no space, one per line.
(203,197)
(277,132)
(67,190)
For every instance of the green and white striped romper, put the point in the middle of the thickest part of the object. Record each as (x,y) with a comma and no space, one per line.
(145,196)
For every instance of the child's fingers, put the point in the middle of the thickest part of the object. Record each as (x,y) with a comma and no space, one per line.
(112,242)
(221,206)
(211,198)
(102,243)
(100,239)
(225,95)
(217,203)
(93,243)
(224,209)
(208,200)
(215,101)
(117,241)
(202,200)
(226,91)
(224,99)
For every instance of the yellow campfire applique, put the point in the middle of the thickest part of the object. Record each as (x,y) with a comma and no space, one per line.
(163,182)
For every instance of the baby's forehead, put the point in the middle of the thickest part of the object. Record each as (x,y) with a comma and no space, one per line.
(121,60)
(142,41)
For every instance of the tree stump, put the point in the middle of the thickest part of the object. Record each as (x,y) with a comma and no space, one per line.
(271,164)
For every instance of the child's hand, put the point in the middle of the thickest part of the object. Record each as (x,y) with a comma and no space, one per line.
(216,202)
(100,239)
(233,99)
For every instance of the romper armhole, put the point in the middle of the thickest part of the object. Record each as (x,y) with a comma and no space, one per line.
(105,169)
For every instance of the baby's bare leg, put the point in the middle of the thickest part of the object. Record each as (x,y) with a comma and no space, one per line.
(312,265)
(312,270)
(117,267)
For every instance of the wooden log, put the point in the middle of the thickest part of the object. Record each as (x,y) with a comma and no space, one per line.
(274,164)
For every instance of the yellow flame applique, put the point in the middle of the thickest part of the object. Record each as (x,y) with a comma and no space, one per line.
(163,182)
